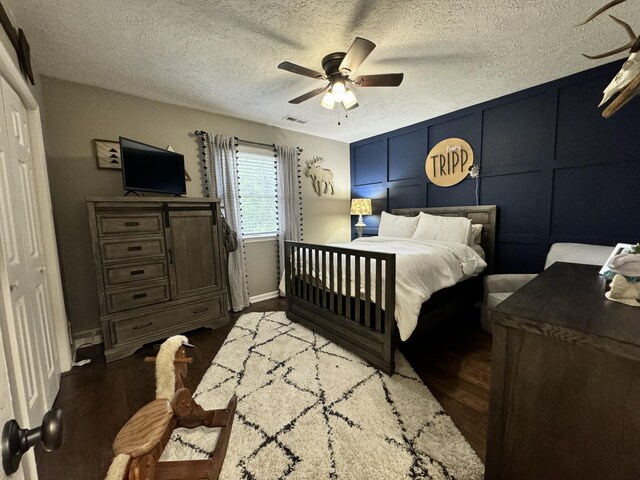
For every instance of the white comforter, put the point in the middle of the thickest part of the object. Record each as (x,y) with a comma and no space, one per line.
(422,268)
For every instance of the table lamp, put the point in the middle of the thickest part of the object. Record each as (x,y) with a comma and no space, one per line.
(360,206)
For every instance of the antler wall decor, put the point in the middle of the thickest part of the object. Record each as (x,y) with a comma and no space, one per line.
(626,84)
(319,176)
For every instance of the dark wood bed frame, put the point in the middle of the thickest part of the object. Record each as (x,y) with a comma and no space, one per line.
(352,320)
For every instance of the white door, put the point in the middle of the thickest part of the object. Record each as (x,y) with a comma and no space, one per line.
(33,349)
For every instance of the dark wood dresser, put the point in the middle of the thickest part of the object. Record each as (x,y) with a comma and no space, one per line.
(160,268)
(565,386)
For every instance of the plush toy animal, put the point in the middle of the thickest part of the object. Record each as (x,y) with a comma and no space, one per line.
(625,286)
(623,291)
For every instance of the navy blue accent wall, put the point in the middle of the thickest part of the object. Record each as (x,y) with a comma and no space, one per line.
(557,170)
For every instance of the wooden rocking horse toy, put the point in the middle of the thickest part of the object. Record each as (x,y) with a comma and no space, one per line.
(140,443)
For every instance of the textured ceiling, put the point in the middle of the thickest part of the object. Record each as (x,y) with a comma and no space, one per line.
(221,56)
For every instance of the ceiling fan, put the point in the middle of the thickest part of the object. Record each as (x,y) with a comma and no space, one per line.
(338,67)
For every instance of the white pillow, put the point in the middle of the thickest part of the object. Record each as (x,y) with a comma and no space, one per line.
(397,225)
(475,235)
(450,229)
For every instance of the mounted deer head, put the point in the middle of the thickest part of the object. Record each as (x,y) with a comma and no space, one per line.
(627,82)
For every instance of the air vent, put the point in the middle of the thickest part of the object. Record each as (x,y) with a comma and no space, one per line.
(295,120)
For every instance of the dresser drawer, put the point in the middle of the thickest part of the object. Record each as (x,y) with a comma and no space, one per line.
(136,297)
(131,248)
(169,319)
(116,275)
(133,223)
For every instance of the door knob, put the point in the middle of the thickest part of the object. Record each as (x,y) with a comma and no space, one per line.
(43,269)
(14,286)
(17,441)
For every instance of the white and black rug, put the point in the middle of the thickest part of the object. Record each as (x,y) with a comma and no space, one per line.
(307,409)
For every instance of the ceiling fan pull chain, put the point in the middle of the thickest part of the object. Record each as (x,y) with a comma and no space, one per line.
(339,118)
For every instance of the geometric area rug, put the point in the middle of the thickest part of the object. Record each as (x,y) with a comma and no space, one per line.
(308,409)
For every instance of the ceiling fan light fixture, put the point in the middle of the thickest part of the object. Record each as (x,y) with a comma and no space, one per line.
(338,90)
(349,102)
(327,101)
(338,69)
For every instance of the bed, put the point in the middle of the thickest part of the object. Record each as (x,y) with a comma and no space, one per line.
(320,285)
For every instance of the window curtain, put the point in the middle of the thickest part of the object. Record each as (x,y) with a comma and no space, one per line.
(221,180)
(289,198)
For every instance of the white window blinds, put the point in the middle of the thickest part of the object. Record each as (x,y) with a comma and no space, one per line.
(258,194)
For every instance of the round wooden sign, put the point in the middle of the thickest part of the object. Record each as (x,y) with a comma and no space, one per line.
(448,163)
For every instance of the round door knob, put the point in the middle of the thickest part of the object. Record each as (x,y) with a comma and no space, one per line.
(17,441)
(43,269)
(14,285)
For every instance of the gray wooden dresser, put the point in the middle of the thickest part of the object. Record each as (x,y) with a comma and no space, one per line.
(565,381)
(160,268)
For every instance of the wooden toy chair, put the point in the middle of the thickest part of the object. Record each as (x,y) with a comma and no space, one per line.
(140,443)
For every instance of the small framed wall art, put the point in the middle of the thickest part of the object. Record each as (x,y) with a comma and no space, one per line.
(107,154)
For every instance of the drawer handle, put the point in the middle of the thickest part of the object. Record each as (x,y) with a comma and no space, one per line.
(139,295)
(131,224)
(134,249)
(140,327)
(137,272)
(201,310)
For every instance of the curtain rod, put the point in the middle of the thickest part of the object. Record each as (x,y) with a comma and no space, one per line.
(247,142)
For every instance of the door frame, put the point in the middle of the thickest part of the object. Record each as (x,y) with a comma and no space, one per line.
(11,73)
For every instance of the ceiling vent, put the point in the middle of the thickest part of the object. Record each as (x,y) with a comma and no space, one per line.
(295,120)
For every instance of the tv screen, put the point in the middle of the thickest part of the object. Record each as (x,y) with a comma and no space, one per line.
(151,169)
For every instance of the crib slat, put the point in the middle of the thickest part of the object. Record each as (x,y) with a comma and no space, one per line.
(358,285)
(325,279)
(298,273)
(306,269)
(293,249)
(367,292)
(390,294)
(339,274)
(378,318)
(312,277)
(321,278)
(316,270)
(331,284)
(347,281)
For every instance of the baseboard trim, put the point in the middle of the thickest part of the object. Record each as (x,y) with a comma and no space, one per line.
(87,337)
(264,296)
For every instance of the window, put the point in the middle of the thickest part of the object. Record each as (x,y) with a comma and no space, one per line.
(258,194)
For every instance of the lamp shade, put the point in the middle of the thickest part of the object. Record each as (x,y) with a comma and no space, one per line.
(360,206)
(328,101)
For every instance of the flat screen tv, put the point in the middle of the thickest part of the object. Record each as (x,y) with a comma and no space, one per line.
(151,169)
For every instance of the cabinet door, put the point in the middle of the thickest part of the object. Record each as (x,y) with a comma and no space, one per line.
(194,253)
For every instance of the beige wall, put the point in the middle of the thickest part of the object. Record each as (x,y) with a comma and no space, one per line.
(76,114)
(262,258)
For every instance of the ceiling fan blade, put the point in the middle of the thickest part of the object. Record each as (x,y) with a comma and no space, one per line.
(381,80)
(359,50)
(309,95)
(307,72)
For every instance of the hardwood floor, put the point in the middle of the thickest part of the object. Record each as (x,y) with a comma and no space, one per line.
(454,361)
(98,399)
